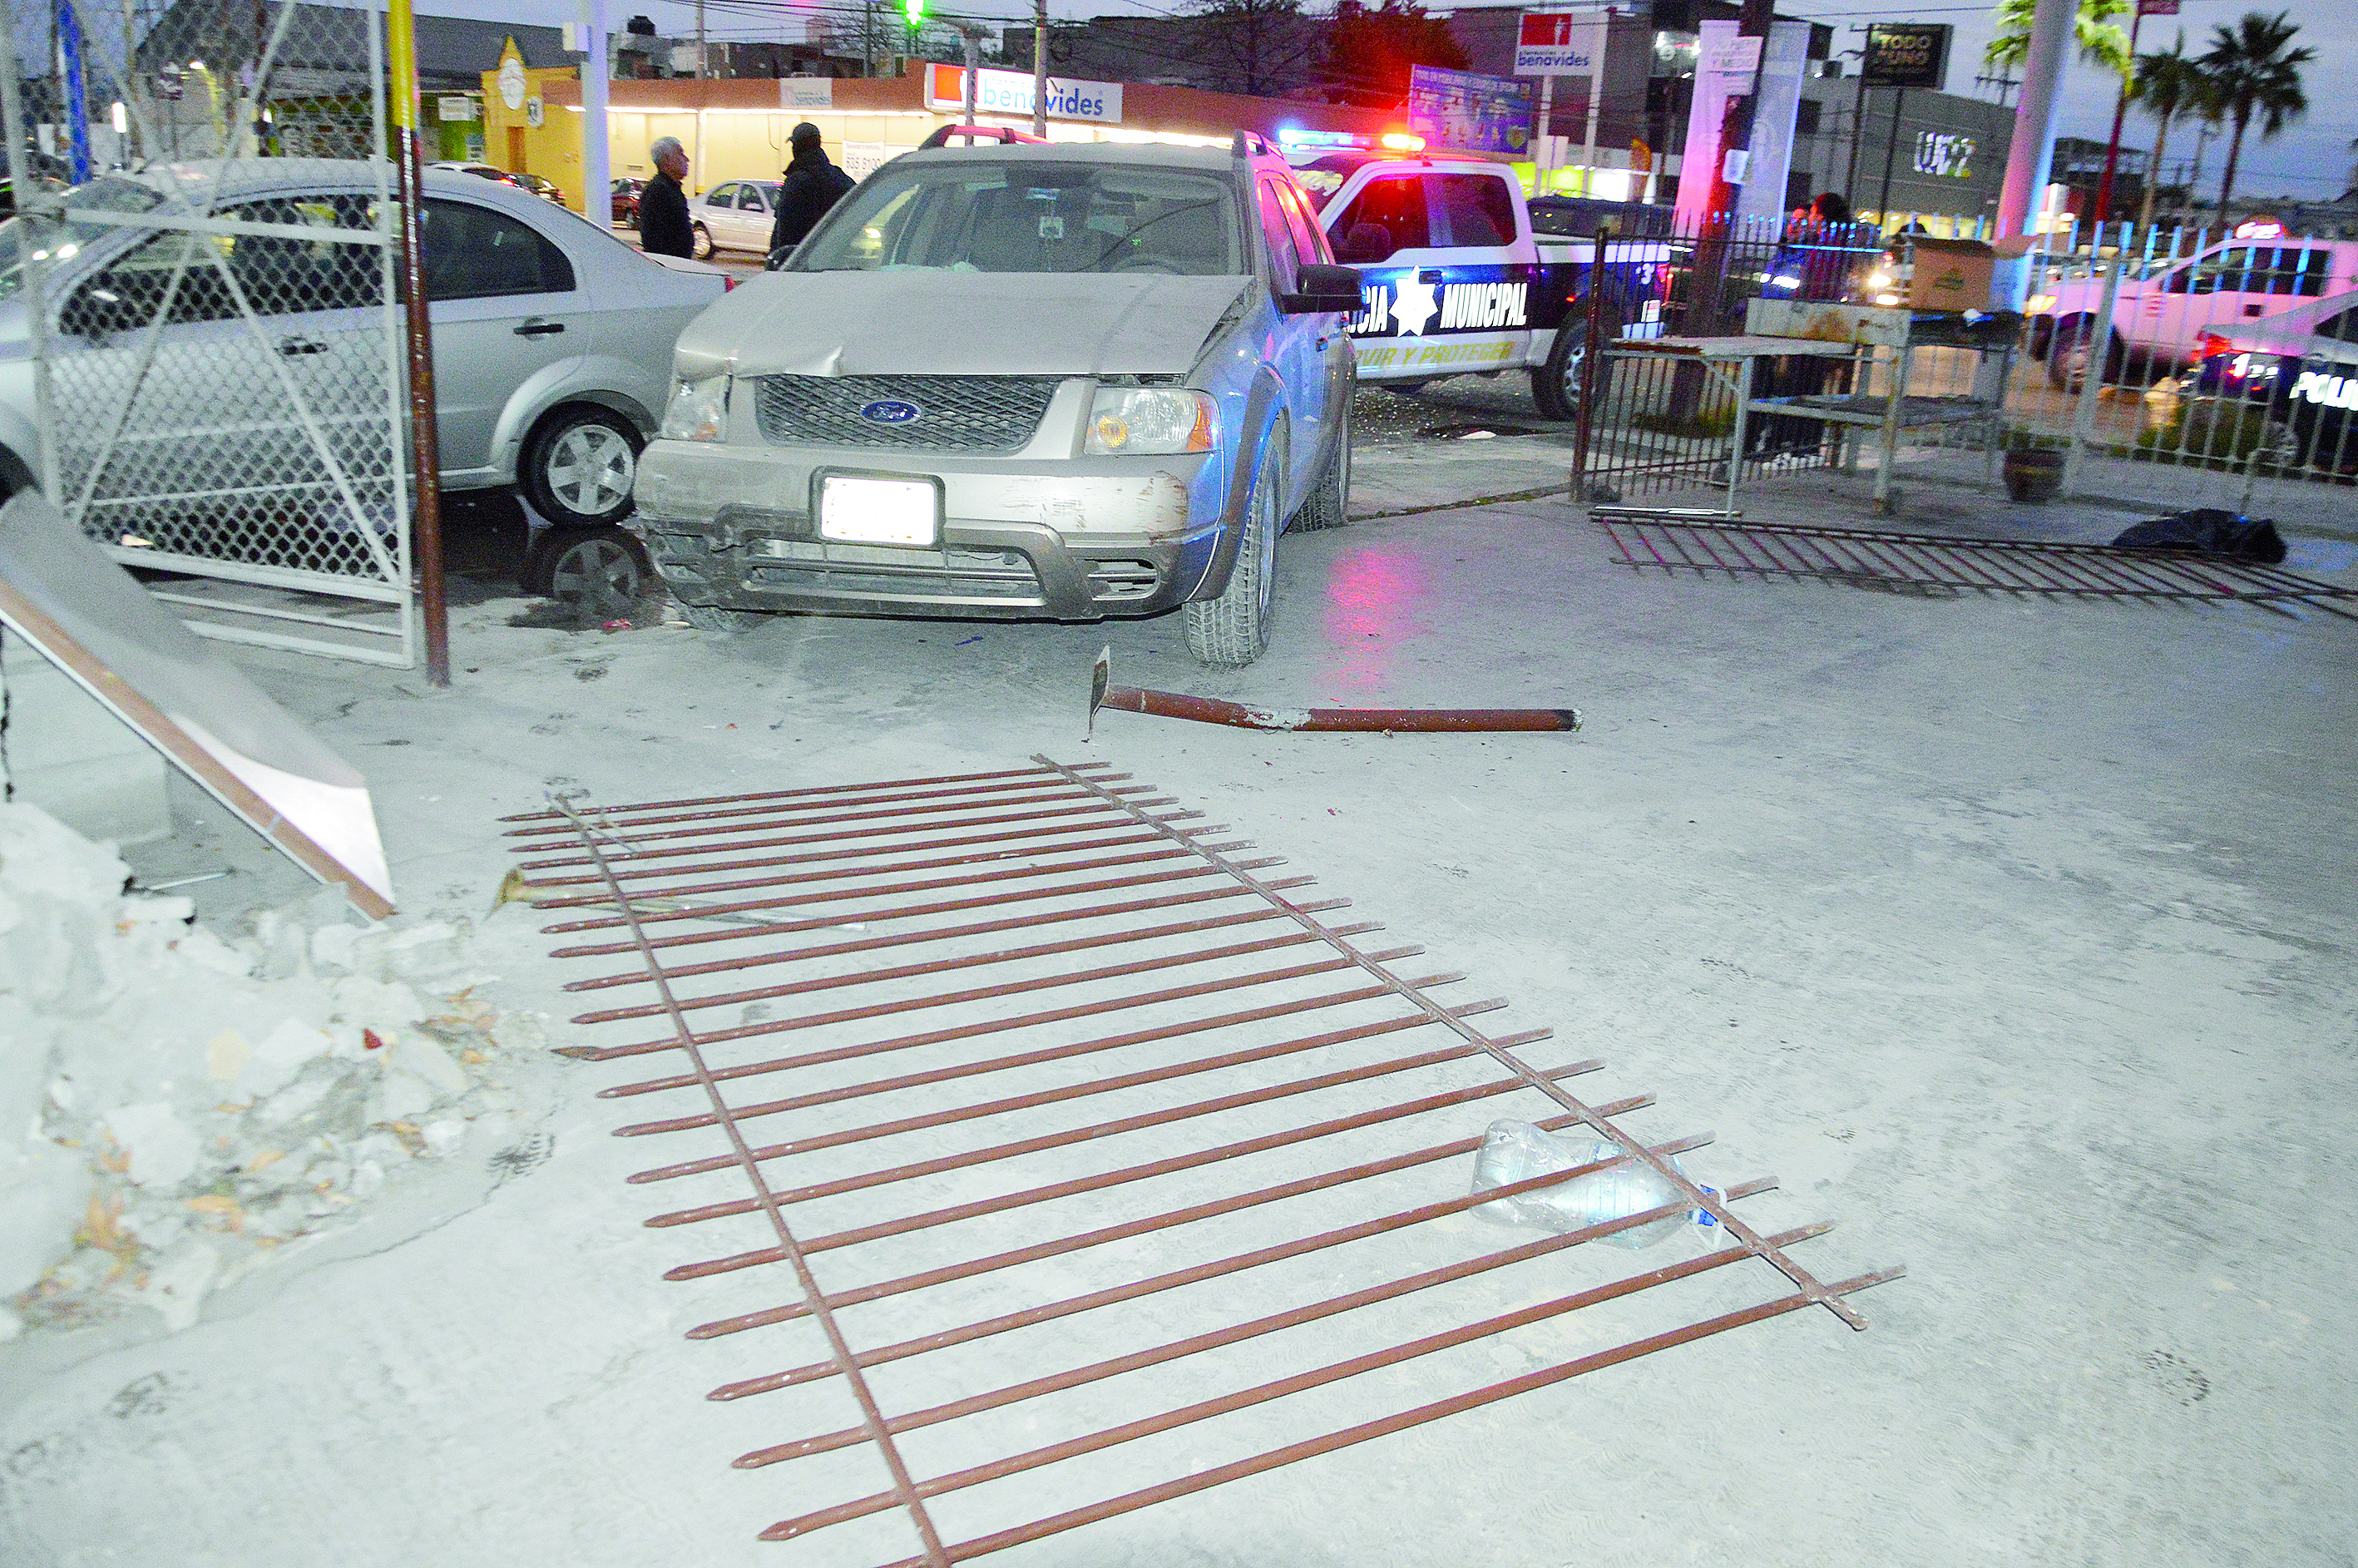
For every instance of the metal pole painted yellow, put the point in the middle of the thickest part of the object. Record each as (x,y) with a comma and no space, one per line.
(400,63)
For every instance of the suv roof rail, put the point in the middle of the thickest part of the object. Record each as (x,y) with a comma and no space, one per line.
(1002,134)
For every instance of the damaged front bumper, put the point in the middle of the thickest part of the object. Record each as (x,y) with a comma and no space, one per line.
(1072,539)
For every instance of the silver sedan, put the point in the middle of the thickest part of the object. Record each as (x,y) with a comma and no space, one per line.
(552,339)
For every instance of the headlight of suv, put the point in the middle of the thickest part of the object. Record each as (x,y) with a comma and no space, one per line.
(1127,421)
(698,411)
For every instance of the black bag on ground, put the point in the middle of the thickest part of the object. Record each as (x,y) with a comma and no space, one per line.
(2211,530)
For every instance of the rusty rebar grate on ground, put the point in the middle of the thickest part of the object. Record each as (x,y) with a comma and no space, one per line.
(1046,1156)
(1931,564)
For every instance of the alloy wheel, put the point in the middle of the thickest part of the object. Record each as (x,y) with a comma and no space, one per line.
(590,468)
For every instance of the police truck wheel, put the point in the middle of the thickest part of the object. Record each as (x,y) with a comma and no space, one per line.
(1559,385)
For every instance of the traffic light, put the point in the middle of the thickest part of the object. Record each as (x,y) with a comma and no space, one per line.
(914,10)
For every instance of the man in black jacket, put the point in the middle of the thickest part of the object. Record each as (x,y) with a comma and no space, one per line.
(664,229)
(813,184)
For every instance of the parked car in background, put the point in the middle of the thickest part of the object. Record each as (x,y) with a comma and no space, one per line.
(552,339)
(1021,381)
(482,171)
(546,189)
(2162,314)
(625,200)
(734,215)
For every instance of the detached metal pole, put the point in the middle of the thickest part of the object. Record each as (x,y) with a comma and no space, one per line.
(401,30)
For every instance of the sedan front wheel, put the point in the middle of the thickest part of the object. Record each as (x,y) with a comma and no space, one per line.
(578,466)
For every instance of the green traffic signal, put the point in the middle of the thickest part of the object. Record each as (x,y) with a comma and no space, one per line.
(914,10)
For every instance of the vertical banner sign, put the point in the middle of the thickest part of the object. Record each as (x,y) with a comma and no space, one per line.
(1906,54)
(2157,7)
(1476,113)
(1778,110)
(1713,88)
(76,100)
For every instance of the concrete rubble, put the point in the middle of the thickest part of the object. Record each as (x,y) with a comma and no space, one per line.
(179,1105)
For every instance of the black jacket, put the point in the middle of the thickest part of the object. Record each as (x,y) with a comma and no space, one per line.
(662,219)
(813,184)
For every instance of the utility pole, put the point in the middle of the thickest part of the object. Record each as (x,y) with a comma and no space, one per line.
(2033,148)
(699,40)
(1040,68)
(597,172)
(2120,114)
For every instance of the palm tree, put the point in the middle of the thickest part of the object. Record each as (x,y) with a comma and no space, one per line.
(2253,72)
(2102,42)
(2169,87)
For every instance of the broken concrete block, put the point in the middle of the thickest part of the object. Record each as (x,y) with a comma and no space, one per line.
(43,1191)
(163,1150)
(429,1061)
(178,1281)
(283,1053)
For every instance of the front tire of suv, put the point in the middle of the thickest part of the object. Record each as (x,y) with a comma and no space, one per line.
(1232,631)
(1329,504)
(578,466)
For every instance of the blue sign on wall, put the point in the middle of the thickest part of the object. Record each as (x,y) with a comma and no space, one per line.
(1459,109)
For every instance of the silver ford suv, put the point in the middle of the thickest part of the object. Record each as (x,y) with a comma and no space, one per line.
(1018,381)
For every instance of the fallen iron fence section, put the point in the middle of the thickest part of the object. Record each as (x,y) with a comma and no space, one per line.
(1017,1117)
(1933,563)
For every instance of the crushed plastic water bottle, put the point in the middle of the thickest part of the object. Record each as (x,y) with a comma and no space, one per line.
(1517,1151)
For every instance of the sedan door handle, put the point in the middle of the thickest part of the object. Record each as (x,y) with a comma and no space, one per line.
(539,329)
(291,346)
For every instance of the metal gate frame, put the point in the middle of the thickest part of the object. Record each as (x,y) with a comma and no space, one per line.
(266,619)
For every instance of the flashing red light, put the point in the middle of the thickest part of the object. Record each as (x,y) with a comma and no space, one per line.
(1400,142)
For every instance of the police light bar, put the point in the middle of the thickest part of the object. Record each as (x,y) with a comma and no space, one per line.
(1295,136)
(1400,142)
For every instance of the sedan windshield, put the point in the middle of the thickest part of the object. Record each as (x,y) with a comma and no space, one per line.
(67,239)
(1031,218)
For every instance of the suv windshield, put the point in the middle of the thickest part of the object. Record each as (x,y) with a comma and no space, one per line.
(1033,217)
(109,195)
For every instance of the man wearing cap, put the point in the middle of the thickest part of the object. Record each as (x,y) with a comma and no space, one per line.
(812,185)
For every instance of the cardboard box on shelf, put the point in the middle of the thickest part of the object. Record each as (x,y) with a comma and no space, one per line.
(1951,275)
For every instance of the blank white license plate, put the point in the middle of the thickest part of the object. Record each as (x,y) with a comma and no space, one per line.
(879,511)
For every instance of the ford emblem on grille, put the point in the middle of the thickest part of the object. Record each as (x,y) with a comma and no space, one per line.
(890,411)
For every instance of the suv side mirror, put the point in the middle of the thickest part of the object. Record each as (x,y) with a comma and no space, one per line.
(1324,288)
(1365,243)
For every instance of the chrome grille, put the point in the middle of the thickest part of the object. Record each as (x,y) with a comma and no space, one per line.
(954,413)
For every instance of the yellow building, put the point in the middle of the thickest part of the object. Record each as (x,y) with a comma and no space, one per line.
(524,133)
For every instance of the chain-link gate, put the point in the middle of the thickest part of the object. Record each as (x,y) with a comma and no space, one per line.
(216,345)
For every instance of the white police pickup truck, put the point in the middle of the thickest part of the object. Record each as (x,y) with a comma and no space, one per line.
(1456,278)
(2167,314)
